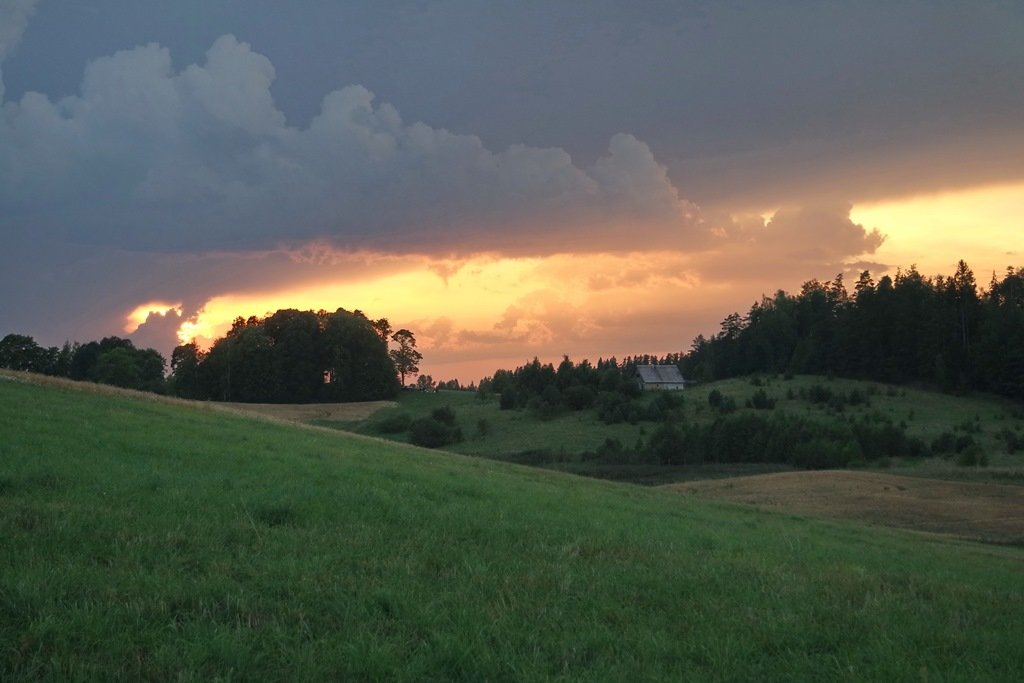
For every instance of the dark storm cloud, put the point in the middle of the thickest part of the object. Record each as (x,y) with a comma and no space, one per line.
(152,158)
(743,101)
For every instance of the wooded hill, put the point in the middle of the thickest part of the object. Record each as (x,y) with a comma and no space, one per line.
(941,331)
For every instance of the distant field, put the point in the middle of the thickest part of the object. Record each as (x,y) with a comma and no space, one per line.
(987,512)
(146,539)
(519,436)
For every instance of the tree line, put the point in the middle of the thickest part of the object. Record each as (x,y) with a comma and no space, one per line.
(112,360)
(940,331)
(290,356)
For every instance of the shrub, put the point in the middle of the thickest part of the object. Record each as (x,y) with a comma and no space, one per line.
(727,405)
(394,424)
(1014,441)
(822,452)
(760,401)
(944,443)
(856,397)
(968,427)
(444,415)
(611,407)
(715,398)
(667,445)
(879,437)
(972,457)
(432,433)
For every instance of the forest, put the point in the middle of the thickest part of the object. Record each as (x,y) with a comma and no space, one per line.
(940,332)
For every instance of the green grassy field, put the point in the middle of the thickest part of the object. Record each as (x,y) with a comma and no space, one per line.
(519,436)
(142,540)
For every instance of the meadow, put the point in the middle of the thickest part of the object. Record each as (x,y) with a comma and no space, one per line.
(571,441)
(145,539)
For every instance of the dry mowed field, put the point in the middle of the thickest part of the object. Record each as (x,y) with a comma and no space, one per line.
(308,412)
(987,512)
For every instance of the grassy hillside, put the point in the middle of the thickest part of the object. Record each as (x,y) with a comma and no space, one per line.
(147,540)
(564,442)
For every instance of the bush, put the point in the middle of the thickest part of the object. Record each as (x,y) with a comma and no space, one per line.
(667,444)
(882,438)
(432,433)
(715,398)
(822,452)
(857,397)
(1014,441)
(944,443)
(394,424)
(612,407)
(727,405)
(760,401)
(444,415)
(972,457)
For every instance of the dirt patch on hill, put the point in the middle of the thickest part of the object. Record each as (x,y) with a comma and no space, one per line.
(309,412)
(987,512)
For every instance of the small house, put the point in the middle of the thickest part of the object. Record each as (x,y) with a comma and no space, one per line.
(659,378)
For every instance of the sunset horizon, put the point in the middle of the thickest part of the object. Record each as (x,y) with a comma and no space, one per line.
(638,176)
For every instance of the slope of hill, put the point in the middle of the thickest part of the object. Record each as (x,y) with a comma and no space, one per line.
(144,539)
(581,442)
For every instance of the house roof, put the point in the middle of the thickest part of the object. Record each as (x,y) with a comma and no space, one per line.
(659,374)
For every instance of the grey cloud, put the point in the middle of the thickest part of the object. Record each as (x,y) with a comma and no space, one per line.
(804,242)
(150,158)
(776,100)
(14,16)
(159,331)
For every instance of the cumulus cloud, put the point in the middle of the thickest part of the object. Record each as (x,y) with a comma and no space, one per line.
(14,16)
(816,240)
(149,158)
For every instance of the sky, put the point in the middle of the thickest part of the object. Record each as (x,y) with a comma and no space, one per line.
(505,179)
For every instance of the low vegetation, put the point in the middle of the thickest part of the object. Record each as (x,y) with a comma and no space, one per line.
(146,540)
(756,422)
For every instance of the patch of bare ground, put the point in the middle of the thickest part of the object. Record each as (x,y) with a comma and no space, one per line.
(985,512)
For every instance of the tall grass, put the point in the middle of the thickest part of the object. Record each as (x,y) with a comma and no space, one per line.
(143,540)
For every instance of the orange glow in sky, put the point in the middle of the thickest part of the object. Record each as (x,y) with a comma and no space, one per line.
(984,226)
(490,310)
(138,315)
(479,314)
